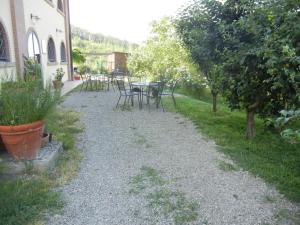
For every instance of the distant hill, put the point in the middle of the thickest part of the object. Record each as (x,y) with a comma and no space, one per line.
(99,43)
(91,43)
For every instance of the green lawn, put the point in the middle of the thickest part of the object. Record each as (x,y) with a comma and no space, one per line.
(267,156)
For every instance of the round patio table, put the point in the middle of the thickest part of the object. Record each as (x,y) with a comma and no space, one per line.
(143,85)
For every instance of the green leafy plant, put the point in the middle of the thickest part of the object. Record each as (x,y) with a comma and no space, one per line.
(32,70)
(59,74)
(78,56)
(25,101)
(82,69)
(284,123)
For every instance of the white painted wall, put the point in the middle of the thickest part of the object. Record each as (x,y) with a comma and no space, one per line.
(51,20)
(5,19)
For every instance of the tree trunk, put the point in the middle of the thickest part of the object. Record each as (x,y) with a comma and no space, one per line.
(250,131)
(214,101)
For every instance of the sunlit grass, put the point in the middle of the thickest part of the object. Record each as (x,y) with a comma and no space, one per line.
(268,155)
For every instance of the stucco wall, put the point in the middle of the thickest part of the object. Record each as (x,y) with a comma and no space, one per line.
(5,19)
(50,24)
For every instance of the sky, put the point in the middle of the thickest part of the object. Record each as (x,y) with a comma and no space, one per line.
(125,19)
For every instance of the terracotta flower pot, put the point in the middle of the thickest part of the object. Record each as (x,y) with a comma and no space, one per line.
(76,77)
(57,84)
(45,139)
(23,141)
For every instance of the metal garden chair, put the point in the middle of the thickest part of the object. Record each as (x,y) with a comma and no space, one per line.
(127,93)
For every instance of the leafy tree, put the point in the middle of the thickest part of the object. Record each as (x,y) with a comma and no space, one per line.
(198,27)
(261,56)
(257,47)
(162,56)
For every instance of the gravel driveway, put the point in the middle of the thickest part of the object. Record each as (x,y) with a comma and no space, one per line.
(150,167)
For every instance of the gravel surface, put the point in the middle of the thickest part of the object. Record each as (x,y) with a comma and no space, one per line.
(118,143)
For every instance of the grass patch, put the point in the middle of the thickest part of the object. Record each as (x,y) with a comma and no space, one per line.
(269,199)
(24,201)
(27,199)
(161,199)
(268,155)
(285,216)
(174,204)
(225,166)
(140,139)
(64,124)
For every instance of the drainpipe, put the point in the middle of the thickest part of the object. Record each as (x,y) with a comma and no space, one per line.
(19,34)
(69,38)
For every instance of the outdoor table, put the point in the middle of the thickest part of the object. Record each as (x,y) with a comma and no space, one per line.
(142,85)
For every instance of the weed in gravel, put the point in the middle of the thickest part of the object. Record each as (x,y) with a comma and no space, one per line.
(225,166)
(269,199)
(174,204)
(161,199)
(285,216)
(140,140)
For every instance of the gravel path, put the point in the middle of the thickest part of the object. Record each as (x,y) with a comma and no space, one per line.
(121,144)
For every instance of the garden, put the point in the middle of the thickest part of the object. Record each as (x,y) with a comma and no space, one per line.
(237,64)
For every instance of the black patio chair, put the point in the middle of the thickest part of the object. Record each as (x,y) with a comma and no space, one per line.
(127,93)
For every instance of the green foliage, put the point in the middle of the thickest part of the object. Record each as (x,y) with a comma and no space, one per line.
(59,73)
(268,155)
(261,55)
(32,70)
(197,26)
(254,44)
(25,101)
(163,200)
(25,201)
(285,121)
(162,56)
(83,69)
(78,57)
(64,125)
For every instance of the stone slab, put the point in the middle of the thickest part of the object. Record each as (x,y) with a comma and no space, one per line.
(45,160)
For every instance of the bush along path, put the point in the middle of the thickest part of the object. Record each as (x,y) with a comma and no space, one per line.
(149,167)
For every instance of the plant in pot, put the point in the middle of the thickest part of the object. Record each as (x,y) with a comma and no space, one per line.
(57,82)
(83,70)
(23,106)
(76,74)
(78,59)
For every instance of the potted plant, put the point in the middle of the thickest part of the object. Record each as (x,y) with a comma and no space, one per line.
(23,106)
(57,82)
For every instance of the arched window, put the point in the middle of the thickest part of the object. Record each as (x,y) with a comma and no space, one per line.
(51,51)
(4,48)
(63,53)
(60,5)
(33,47)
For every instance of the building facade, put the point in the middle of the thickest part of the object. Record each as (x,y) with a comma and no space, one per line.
(38,29)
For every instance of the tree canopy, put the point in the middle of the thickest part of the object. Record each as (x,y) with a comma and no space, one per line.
(255,43)
(162,56)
